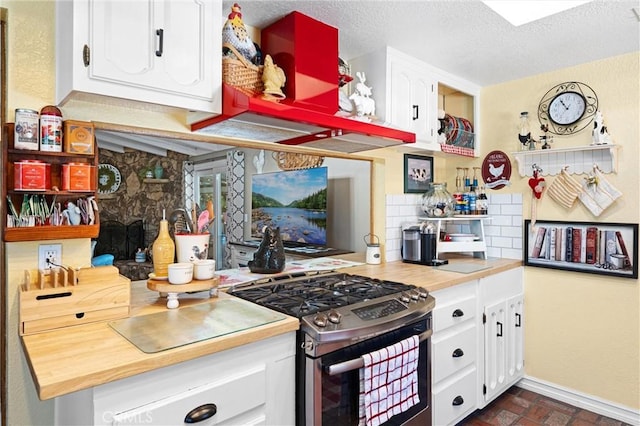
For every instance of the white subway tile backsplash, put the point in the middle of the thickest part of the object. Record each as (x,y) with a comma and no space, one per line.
(503,231)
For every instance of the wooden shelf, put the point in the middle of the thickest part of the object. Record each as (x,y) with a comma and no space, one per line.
(579,159)
(476,226)
(56,160)
(152,180)
(35,233)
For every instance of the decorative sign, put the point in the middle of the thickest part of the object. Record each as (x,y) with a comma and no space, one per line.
(496,170)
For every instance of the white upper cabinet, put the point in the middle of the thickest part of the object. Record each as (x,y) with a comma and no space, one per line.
(162,52)
(409,92)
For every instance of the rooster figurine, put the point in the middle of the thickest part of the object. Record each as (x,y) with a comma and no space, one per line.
(235,33)
(273,78)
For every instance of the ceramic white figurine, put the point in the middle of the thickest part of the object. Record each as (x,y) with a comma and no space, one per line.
(365,105)
(600,135)
(258,161)
(72,213)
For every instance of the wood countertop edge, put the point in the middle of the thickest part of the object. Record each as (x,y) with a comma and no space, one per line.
(43,351)
(126,360)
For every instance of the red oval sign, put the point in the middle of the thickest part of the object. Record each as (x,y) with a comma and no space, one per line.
(496,170)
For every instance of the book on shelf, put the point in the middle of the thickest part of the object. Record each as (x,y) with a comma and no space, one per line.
(610,245)
(537,245)
(568,254)
(622,249)
(590,245)
(577,245)
(552,243)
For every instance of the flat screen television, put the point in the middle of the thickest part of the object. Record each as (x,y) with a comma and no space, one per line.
(295,201)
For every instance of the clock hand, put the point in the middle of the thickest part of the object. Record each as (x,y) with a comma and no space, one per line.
(564,105)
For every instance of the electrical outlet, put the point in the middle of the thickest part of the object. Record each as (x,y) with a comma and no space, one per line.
(50,252)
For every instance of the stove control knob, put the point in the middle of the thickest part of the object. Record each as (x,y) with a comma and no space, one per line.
(405,297)
(415,295)
(320,320)
(422,292)
(334,316)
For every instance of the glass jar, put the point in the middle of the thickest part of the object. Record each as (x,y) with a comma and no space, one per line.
(524,132)
(437,202)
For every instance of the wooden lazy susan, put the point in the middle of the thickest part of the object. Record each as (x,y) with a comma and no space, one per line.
(173,290)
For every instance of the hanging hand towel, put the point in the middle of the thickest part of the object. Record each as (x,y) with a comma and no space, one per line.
(564,189)
(389,382)
(597,193)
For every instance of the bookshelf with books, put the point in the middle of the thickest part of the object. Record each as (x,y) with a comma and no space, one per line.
(603,248)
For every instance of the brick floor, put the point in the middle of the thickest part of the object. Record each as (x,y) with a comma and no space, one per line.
(520,407)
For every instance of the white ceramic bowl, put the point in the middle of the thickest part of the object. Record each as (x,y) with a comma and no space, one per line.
(180,273)
(204,269)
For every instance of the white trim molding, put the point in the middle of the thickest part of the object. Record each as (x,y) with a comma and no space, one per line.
(581,400)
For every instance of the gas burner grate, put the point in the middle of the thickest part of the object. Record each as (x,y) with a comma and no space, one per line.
(312,294)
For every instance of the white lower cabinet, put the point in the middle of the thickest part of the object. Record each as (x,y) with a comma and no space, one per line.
(455,353)
(237,385)
(477,344)
(503,318)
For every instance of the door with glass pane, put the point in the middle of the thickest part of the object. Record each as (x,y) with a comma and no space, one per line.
(210,184)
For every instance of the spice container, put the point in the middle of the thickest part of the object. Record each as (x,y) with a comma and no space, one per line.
(78,177)
(51,129)
(26,129)
(78,137)
(31,175)
(163,250)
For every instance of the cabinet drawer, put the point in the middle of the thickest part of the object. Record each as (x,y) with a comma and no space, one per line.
(454,353)
(453,313)
(238,399)
(456,401)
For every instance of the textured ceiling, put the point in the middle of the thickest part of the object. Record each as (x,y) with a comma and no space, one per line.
(465,37)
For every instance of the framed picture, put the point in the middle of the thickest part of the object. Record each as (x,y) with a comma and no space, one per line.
(591,247)
(418,173)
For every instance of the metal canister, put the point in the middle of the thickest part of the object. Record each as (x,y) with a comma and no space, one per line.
(51,129)
(26,129)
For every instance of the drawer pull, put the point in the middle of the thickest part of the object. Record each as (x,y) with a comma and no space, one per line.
(160,34)
(457,353)
(415,112)
(499,326)
(518,320)
(201,413)
(458,313)
(458,400)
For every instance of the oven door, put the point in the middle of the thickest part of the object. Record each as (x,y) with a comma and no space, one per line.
(332,388)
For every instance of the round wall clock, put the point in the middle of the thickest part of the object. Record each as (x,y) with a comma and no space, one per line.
(568,107)
(109,179)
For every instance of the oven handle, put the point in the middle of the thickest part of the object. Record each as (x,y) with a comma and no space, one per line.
(354,364)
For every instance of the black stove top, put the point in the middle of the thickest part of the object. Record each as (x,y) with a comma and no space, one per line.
(312,294)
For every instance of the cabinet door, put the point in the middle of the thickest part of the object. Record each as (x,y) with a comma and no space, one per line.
(515,340)
(494,349)
(163,45)
(412,100)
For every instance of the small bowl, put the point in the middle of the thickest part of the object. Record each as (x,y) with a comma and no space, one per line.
(180,273)
(204,269)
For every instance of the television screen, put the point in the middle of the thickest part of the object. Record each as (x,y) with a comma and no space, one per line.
(295,201)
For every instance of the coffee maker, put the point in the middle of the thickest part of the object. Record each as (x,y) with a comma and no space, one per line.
(419,245)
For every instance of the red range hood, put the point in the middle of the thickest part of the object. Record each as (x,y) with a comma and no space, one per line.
(254,118)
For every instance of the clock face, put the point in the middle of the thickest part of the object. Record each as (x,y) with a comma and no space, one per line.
(567,108)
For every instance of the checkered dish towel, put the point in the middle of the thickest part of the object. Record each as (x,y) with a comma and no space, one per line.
(389,382)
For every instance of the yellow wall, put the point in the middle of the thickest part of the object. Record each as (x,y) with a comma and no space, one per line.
(582,331)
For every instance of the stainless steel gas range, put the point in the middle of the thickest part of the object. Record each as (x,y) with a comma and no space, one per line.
(342,318)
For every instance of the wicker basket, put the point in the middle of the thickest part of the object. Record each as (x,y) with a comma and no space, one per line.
(241,74)
(295,161)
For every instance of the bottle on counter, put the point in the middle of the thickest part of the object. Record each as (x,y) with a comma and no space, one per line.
(163,249)
(482,203)
(472,197)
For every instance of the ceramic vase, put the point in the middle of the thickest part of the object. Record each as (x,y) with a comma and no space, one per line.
(163,250)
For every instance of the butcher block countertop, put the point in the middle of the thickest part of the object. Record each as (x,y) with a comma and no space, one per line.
(80,357)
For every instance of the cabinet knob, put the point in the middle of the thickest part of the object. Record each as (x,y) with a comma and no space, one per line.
(458,400)
(201,413)
(457,313)
(457,353)
(86,55)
